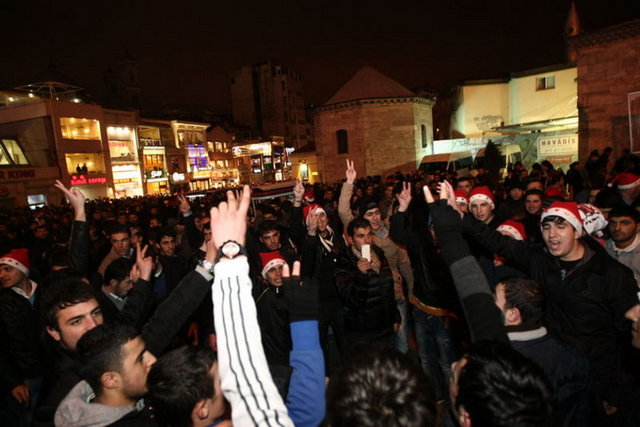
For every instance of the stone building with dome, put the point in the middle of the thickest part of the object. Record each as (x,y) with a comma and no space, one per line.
(376,122)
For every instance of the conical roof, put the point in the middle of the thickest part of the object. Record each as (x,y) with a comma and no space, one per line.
(369,83)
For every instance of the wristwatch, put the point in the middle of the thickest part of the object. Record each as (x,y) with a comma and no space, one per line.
(230,249)
(207,265)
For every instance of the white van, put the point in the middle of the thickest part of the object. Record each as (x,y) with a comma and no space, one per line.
(458,161)
(510,155)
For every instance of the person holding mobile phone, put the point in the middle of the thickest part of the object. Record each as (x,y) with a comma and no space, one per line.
(365,284)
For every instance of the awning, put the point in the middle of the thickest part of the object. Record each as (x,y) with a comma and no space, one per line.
(537,125)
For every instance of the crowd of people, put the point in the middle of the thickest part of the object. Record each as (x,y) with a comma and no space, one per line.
(420,299)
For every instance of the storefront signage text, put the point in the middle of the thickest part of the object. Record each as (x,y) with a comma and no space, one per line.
(559,144)
(18,174)
(84,180)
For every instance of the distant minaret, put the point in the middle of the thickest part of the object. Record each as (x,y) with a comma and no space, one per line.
(572,28)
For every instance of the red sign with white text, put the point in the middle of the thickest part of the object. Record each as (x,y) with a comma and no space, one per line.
(84,180)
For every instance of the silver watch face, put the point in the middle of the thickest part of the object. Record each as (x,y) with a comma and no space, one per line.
(230,249)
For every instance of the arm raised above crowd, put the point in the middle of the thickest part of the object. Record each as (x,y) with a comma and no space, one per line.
(79,242)
(305,400)
(483,317)
(344,208)
(244,373)
(178,306)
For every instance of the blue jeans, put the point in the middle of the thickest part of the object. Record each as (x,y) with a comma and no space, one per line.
(435,349)
(400,339)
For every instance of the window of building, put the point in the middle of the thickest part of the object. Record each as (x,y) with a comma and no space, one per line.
(11,154)
(84,163)
(86,129)
(423,135)
(343,141)
(544,83)
(122,147)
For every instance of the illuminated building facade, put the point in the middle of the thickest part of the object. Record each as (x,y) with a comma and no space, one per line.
(220,145)
(263,161)
(123,153)
(155,137)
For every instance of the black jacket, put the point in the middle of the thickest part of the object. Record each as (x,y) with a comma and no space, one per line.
(273,318)
(426,287)
(369,302)
(317,262)
(585,306)
(20,350)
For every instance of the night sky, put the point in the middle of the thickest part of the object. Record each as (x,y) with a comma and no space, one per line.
(186,49)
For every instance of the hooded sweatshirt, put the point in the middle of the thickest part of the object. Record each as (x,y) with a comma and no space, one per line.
(77,410)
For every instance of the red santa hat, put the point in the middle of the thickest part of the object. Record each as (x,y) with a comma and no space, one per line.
(270,260)
(309,196)
(567,210)
(311,209)
(461,196)
(514,229)
(482,193)
(17,258)
(625,181)
(555,192)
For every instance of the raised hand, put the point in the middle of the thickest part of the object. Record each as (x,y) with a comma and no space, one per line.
(185,206)
(350,173)
(404,197)
(302,297)
(144,264)
(447,193)
(312,224)
(229,219)
(75,198)
(298,191)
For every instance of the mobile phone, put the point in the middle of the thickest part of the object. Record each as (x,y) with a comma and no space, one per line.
(366,252)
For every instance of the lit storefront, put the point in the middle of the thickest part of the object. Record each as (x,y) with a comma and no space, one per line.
(124,161)
(199,166)
(87,171)
(262,162)
(154,164)
(223,170)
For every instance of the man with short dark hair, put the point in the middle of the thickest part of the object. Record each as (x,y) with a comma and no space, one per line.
(376,386)
(114,364)
(366,288)
(466,184)
(522,303)
(588,295)
(118,282)
(396,256)
(184,386)
(120,238)
(494,385)
(624,242)
(171,268)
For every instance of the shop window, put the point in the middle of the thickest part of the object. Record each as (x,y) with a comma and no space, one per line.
(85,129)
(11,153)
(544,83)
(343,141)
